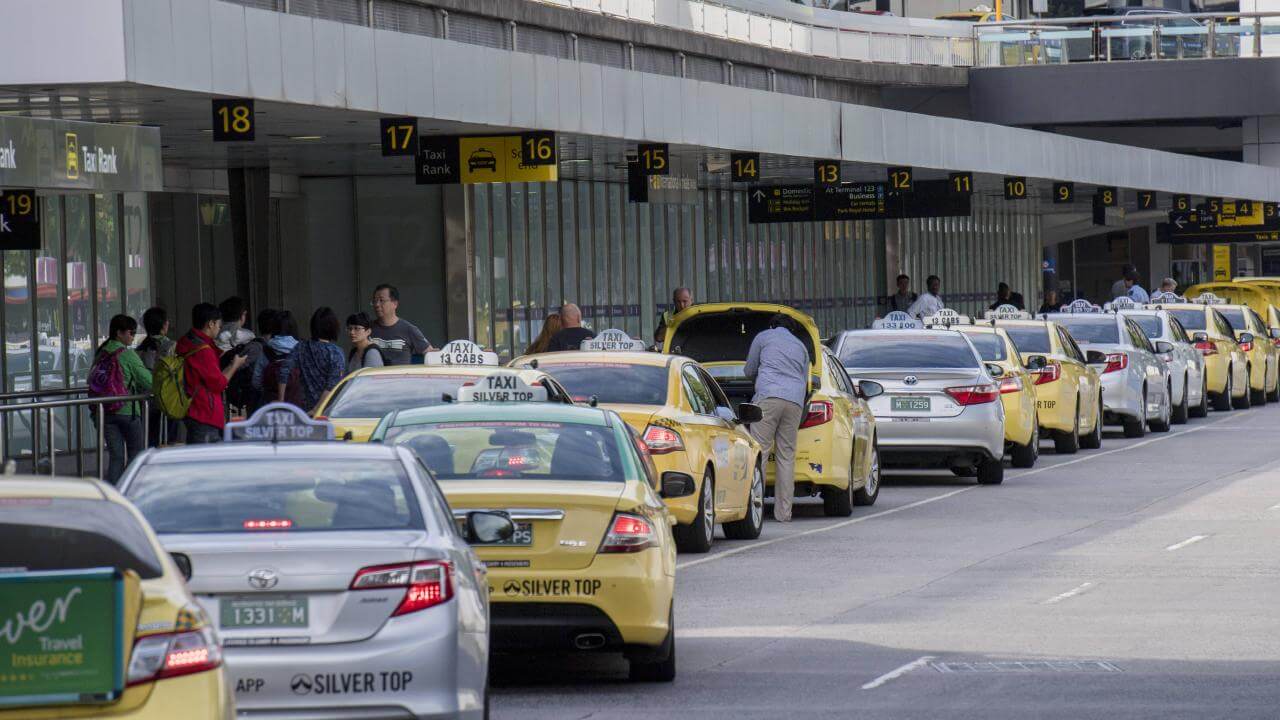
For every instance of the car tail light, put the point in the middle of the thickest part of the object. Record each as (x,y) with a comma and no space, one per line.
(1207,348)
(267,524)
(819,412)
(627,534)
(1010,385)
(974,394)
(1048,373)
(321,418)
(1246,346)
(167,655)
(662,440)
(428,583)
(1116,362)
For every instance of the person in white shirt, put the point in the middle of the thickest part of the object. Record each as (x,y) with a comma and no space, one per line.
(928,303)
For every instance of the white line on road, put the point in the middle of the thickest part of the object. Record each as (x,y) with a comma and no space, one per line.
(1274,507)
(1068,594)
(1188,541)
(898,672)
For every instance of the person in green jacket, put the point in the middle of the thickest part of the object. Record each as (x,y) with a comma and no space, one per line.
(123,427)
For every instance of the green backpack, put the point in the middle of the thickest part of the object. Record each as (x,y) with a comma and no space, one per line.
(169,384)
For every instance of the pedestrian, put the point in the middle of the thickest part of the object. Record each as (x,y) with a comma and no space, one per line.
(205,382)
(1118,288)
(779,364)
(281,332)
(681,298)
(572,333)
(904,298)
(363,352)
(1133,290)
(235,320)
(1004,296)
(157,344)
(117,370)
(241,392)
(1050,304)
(930,302)
(315,366)
(550,327)
(1169,285)
(398,339)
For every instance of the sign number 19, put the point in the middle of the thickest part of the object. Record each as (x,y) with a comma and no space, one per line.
(19,203)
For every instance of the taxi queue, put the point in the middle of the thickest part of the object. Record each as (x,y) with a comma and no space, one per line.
(567,482)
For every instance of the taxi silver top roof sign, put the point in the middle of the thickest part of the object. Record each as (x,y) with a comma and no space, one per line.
(1208,299)
(502,387)
(1121,303)
(945,318)
(896,320)
(277,422)
(1007,312)
(613,340)
(461,352)
(1167,298)
(1080,306)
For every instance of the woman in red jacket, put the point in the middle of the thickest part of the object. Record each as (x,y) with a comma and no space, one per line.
(205,381)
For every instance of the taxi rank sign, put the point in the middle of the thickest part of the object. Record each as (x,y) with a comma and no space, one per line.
(277,422)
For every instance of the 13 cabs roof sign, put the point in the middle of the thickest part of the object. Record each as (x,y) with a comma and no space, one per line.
(946,317)
(278,422)
(461,352)
(896,320)
(612,340)
(1080,306)
(1121,303)
(1006,312)
(502,387)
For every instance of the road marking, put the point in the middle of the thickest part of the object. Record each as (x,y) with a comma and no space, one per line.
(944,496)
(898,672)
(1274,507)
(1068,594)
(1188,541)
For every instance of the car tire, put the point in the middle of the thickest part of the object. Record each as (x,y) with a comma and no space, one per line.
(1137,427)
(660,666)
(838,502)
(1182,412)
(1202,410)
(990,472)
(867,494)
(696,536)
(1274,394)
(1245,401)
(963,471)
(1162,425)
(1068,442)
(748,528)
(1024,456)
(1093,440)
(1259,397)
(1222,401)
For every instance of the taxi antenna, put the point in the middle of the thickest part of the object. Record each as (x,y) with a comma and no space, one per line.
(533,364)
(594,401)
(446,398)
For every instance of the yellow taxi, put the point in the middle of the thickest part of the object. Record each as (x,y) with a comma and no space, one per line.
(1254,339)
(1017,389)
(1270,286)
(1068,392)
(140,645)
(1226,365)
(688,424)
(592,563)
(836,453)
(355,404)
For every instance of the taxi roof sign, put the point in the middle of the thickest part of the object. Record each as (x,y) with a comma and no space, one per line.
(1006,312)
(1168,298)
(1208,299)
(502,387)
(896,320)
(461,352)
(1080,306)
(612,340)
(946,317)
(278,422)
(1121,303)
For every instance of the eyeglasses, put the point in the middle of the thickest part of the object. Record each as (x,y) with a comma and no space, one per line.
(379,301)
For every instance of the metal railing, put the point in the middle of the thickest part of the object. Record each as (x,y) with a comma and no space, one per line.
(1134,37)
(39,421)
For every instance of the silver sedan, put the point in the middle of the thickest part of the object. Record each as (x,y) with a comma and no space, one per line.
(334,573)
(1186,364)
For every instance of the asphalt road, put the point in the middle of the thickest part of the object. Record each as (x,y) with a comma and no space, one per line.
(1140,580)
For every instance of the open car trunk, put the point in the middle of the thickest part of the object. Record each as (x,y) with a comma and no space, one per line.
(724,335)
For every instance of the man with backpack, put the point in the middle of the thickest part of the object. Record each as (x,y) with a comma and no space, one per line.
(200,378)
(241,393)
(118,371)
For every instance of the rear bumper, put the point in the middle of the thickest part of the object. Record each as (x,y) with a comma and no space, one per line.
(975,434)
(1120,399)
(815,466)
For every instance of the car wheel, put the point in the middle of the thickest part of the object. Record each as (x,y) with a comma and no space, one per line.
(1162,425)
(1244,402)
(1024,456)
(1259,397)
(838,502)
(660,665)
(1093,440)
(1222,401)
(748,528)
(867,494)
(1181,412)
(990,472)
(1274,394)
(1068,442)
(963,471)
(696,536)
(1137,427)
(1202,410)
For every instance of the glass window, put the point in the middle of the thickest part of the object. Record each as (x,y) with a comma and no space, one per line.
(1069,344)
(72,534)
(704,403)
(721,400)
(612,382)
(990,346)
(137,258)
(17,322)
(906,351)
(79,298)
(483,279)
(1235,316)
(107,262)
(310,495)
(49,308)
(536,450)
(1091,330)
(519,268)
(1180,333)
(1191,318)
(1149,324)
(1223,325)
(1137,337)
(1029,339)
(372,396)
(501,272)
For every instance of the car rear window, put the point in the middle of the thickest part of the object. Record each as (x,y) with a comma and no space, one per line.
(1191,318)
(1029,339)
(72,534)
(513,449)
(906,350)
(612,382)
(1091,330)
(1235,316)
(372,396)
(990,346)
(324,494)
(1150,324)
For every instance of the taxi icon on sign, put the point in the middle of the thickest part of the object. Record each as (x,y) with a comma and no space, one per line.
(482,159)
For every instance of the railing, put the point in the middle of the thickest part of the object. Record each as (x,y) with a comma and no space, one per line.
(61,425)
(1135,37)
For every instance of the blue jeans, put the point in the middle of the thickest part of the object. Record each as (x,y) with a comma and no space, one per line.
(124,441)
(198,432)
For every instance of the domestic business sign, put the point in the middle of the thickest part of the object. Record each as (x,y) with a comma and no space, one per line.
(1199,226)
(63,154)
(854,201)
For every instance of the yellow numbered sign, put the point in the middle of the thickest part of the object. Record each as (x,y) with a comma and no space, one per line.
(900,179)
(233,120)
(399,136)
(826,172)
(1064,192)
(961,183)
(1015,188)
(744,167)
(654,158)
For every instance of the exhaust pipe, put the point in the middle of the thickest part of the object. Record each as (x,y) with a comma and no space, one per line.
(588,641)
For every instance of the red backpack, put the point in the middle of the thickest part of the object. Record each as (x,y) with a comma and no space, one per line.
(106,379)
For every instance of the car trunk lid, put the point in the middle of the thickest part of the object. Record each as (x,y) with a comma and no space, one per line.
(910,394)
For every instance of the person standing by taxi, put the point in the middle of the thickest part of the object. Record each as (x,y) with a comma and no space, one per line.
(550,327)
(1133,290)
(397,338)
(779,364)
(930,302)
(363,352)
(681,298)
(1005,296)
(122,427)
(319,361)
(572,334)
(904,298)
(1050,304)
(205,382)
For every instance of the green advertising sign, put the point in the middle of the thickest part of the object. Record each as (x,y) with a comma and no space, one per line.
(61,637)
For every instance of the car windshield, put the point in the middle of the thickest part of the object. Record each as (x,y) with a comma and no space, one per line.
(72,534)
(1235,316)
(1088,330)
(1150,324)
(513,449)
(990,346)
(293,494)
(372,396)
(907,351)
(1029,339)
(612,382)
(1191,318)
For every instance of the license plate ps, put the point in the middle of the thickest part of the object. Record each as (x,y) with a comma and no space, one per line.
(910,404)
(255,612)
(523,536)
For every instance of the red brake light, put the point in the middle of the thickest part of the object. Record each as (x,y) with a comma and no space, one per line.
(1011,384)
(627,534)
(819,412)
(321,418)
(1247,346)
(1048,373)
(974,394)
(1207,348)
(167,655)
(662,440)
(268,524)
(1116,362)
(428,583)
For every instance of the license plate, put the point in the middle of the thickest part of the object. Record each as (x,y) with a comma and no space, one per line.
(910,404)
(522,536)
(255,612)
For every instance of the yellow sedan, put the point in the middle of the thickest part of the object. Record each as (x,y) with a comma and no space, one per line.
(1017,391)
(1263,358)
(688,424)
(1226,366)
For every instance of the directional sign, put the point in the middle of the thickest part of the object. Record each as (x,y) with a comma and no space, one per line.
(1064,192)
(780,203)
(852,201)
(436,161)
(1201,227)
(278,422)
(855,201)
(19,220)
(744,167)
(613,341)
(461,352)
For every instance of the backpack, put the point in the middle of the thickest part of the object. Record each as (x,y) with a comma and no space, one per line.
(240,390)
(272,377)
(364,356)
(169,384)
(106,379)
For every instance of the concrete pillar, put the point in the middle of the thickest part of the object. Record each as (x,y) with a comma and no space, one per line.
(459,258)
(250,191)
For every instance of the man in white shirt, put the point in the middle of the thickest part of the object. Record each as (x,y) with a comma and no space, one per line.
(928,303)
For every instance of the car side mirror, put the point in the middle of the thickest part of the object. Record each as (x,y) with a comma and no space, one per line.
(994,370)
(870,388)
(1245,338)
(1275,333)
(1037,362)
(488,527)
(750,413)
(1094,357)
(1164,347)
(183,561)
(677,484)
(1200,337)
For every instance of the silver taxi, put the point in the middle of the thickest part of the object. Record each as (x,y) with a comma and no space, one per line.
(1173,345)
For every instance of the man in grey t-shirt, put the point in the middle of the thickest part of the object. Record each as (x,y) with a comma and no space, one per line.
(779,364)
(399,340)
